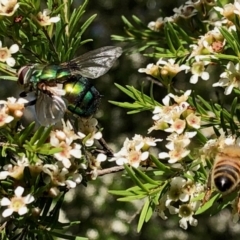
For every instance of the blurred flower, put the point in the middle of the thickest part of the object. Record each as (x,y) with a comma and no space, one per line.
(16,106)
(151,69)
(185,11)
(156,25)
(178,99)
(8,7)
(4,116)
(227,11)
(15,169)
(214,146)
(61,176)
(6,54)
(230,78)
(44,19)
(16,203)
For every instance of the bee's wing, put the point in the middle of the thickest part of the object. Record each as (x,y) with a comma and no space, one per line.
(49,109)
(95,63)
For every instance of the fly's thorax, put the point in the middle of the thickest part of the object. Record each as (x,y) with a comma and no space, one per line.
(38,72)
(226,170)
(55,72)
(83,98)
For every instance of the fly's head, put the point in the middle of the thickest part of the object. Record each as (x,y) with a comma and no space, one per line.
(24,76)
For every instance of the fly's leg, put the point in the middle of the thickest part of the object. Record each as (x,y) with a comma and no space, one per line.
(107,150)
(30,103)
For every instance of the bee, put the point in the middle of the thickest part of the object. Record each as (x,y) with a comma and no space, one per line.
(226,169)
(225,174)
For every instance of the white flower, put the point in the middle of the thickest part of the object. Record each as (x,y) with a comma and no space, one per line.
(230,78)
(6,54)
(176,192)
(68,151)
(61,176)
(44,19)
(177,126)
(198,71)
(16,106)
(4,116)
(157,25)
(67,134)
(193,120)
(186,212)
(151,69)
(16,203)
(89,131)
(101,157)
(131,153)
(179,99)
(8,7)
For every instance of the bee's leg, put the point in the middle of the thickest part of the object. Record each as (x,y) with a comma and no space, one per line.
(209,189)
(238,204)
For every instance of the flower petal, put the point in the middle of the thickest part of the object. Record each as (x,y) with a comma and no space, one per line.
(22,210)
(54,19)
(10,62)
(5,201)
(19,191)
(7,212)
(14,48)
(28,199)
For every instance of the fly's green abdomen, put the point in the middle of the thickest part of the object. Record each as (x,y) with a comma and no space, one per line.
(83,98)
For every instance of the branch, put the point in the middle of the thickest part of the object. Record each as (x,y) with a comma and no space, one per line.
(102,172)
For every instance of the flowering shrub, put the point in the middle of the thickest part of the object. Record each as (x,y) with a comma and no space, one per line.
(197,170)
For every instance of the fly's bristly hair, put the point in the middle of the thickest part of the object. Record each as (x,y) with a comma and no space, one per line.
(226,169)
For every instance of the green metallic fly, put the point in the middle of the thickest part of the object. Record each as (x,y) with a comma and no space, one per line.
(66,86)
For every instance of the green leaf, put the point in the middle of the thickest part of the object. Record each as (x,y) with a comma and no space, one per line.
(168,36)
(208,204)
(143,215)
(22,136)
(134,178)
(131,198)
(121,192)
(150,211)
(160,165)
(37,135)
(44,136)
(144,177)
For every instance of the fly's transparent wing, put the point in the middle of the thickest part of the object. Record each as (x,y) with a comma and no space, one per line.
(95,63)
(49,109)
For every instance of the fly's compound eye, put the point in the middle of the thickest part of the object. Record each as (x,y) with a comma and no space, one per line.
(22,74)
